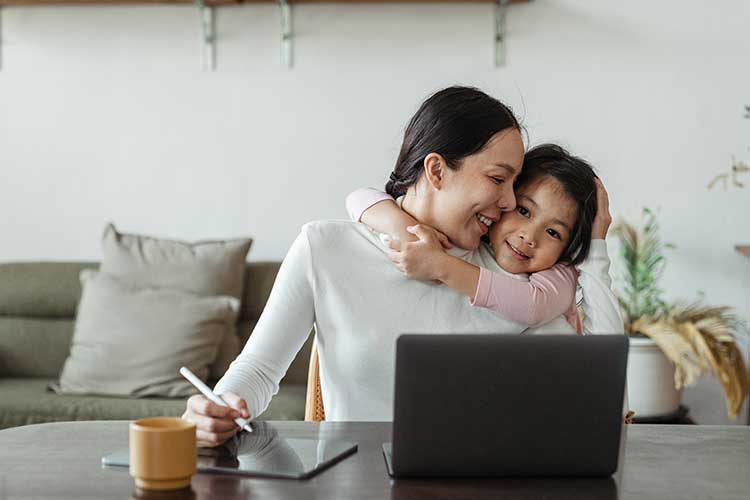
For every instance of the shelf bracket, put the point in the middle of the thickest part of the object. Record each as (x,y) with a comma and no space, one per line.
(286,33)
(1,37)
(208,28)
(501,10)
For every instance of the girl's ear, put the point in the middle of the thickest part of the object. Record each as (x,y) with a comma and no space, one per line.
(434,170)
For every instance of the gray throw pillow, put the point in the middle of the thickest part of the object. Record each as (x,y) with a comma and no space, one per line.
(203,268)
(131,341)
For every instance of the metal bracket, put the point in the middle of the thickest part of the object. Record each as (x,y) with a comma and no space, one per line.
(286,33)
(208,28)
(1,37)
(501,10)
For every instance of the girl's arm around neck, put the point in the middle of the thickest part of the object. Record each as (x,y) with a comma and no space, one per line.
(458,274)
(379,211)
(546,295)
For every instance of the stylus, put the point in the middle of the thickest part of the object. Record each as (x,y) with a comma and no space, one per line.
(206,391)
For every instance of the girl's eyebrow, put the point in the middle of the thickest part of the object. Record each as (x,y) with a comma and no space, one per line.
(527,197)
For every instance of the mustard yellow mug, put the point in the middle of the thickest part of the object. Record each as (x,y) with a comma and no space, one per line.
(163,453)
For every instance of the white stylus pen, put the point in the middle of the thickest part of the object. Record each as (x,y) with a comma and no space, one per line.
(206,391)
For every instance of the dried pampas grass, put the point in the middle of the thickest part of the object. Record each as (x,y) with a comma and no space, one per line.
(698,339)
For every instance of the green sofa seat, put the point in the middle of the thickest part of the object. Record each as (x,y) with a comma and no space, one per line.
(26,401)
(38,303)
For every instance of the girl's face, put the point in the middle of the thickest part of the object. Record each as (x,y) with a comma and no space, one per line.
(534,235)
(477,193)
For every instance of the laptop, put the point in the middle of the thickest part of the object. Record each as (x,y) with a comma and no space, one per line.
(507,405)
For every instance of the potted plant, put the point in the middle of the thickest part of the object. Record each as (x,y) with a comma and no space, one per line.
(671,345)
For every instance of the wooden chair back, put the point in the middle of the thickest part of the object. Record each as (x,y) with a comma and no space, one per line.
(314,411)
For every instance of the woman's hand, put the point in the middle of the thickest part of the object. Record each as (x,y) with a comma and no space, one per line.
(603,219)
(214,423)
(420,259)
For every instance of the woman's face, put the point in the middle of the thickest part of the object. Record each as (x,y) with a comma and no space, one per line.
(534,235)
(472,198)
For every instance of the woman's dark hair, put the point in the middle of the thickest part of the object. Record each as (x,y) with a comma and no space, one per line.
(455,122)
(577,180)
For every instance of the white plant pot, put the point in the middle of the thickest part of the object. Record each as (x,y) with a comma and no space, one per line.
(651,390)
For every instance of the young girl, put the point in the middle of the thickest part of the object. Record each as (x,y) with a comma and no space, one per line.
(547,234)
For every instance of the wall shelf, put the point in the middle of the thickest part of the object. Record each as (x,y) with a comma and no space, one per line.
(227,2)
(207,19)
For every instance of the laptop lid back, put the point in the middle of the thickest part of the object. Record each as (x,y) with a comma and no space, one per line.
(506,405)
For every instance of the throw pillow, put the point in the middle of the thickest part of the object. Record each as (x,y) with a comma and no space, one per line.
(131,341)
(203,268)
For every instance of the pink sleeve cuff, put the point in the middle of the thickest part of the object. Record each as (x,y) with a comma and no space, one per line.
(360,200)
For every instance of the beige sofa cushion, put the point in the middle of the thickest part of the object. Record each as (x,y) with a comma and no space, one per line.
(131,341)
(203,268)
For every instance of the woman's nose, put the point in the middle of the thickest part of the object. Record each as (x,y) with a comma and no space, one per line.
(507,201)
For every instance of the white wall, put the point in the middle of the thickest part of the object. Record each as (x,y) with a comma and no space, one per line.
(105,115)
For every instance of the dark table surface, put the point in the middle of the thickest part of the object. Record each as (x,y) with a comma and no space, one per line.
(62,461)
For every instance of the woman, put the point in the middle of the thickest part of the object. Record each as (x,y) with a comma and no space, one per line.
(469,150)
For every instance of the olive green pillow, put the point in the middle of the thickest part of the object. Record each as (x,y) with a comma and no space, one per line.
(203,268)
(131,341)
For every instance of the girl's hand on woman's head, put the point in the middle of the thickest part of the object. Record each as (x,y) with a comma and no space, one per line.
(420,259)
(603,219)
(214,423)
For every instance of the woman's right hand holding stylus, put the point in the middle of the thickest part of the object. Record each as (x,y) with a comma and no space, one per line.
(214,423)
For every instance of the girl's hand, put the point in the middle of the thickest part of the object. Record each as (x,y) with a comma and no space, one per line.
(214,423)
(603,219)
(420,259)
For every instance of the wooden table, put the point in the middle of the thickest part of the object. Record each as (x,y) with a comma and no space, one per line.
(62,461)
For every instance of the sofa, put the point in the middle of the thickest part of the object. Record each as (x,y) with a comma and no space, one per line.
(37,316)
